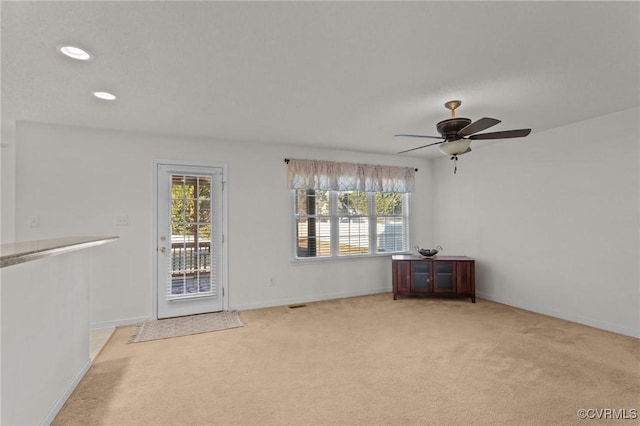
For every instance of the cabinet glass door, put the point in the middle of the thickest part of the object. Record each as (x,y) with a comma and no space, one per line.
(444,281)
(402,277)
(421,276)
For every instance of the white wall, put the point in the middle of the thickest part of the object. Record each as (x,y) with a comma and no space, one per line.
(552,219)
(78,180)
(45,335)
(7,181)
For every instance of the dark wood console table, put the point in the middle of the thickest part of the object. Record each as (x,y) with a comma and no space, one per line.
(415,275)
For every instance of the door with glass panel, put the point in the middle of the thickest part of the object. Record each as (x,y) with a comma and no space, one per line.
(189,254)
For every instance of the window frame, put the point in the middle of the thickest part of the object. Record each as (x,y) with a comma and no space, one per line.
(334,224)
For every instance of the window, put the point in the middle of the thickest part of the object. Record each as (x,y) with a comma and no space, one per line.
(313,236)
(190,235)
(392,216)
(362,213)
(353,218)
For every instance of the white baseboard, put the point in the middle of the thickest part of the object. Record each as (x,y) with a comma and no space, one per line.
(118,323)
(258,305)
(615,328)
(307,299)
(65,395)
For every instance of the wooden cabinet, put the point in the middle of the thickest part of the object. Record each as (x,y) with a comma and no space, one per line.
(438,276)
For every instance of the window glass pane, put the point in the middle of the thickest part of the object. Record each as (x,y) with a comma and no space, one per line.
(189,232)
(176,229)
(391,234)
(391,226)
(204,187)
(177,211)
(352,203)
(203,259)
(190,185)
(313,237)
(183,207)
(353,235)
(312,202)
(301,201)
(353,230)
(189,211)
(204,282)
(388,204)
(177,188)
(204,211)
(204,236)
(313,229)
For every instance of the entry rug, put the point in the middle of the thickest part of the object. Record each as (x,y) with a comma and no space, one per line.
(184,326)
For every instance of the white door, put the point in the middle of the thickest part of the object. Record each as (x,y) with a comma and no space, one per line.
(189,246)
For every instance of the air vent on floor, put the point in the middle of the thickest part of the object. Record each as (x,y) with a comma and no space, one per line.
(302,305)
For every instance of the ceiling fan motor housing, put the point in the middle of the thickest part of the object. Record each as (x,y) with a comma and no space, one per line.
(449,128)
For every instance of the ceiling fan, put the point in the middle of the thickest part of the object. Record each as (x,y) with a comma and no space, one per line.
(457,133)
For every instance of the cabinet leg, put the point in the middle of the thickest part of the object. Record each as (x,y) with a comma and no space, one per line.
(473,298)
(394,296)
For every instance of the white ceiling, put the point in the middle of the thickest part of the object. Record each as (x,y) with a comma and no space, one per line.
(345,75)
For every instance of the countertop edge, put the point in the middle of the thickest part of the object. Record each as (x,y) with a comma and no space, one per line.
(39,249)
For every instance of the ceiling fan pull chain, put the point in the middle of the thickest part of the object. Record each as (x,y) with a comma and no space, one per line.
(455,164)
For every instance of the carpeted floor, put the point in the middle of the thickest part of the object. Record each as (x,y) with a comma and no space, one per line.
(366,361)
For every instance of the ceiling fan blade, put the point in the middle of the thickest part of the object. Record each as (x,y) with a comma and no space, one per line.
(420,136)
(478,126)
(502,135)
(423,146)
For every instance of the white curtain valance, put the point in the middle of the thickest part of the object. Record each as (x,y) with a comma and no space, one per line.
(334,176)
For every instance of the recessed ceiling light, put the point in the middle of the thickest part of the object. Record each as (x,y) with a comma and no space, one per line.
(105,96)
(74,52)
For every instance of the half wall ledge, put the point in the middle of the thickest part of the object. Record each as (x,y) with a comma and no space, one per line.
(21,252)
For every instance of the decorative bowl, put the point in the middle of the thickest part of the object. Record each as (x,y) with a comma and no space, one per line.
(429,252)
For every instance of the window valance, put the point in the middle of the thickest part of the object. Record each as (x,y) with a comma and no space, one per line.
(335,176)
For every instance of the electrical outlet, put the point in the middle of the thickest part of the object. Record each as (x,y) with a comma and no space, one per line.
(122,220)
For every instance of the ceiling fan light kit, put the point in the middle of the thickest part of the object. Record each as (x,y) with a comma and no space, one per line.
(455,147)
(457,133)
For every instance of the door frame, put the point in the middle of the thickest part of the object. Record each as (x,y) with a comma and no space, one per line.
(224,267)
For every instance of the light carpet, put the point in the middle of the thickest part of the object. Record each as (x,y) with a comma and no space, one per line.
(367,361)
(185,326)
